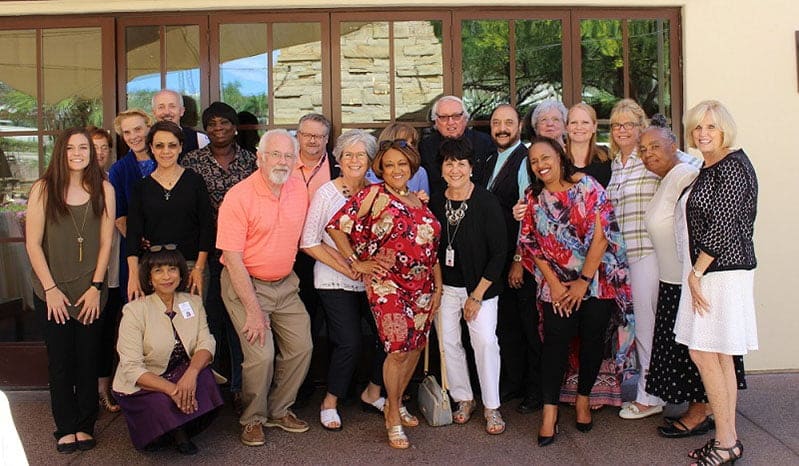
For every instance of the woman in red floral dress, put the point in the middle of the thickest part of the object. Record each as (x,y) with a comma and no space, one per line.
(391,238)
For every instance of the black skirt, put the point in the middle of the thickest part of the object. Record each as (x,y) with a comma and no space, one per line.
(672,375)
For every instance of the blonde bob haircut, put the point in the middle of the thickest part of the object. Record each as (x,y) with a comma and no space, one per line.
(629,108)
(721,117)
(133,112)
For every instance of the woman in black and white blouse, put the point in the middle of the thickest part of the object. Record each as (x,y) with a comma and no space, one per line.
(716,316)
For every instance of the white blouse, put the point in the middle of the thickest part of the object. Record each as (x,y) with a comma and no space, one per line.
(659,220)
(325,203)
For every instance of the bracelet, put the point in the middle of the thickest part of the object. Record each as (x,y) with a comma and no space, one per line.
(586,279)
(478,301)
(351,259)
(52,287)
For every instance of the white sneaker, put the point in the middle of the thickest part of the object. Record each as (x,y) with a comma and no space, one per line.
(632,411)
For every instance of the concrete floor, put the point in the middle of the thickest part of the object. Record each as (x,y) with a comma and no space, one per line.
(768,425)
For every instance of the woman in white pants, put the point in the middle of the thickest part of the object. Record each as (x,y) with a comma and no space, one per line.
(471,255)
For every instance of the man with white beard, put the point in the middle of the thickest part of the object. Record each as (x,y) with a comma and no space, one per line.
(260,223)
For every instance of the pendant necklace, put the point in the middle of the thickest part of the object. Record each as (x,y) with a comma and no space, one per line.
(401,192)
(171,184)
(80,231)
(345,190)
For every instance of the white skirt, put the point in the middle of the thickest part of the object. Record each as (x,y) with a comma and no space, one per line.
(729,326)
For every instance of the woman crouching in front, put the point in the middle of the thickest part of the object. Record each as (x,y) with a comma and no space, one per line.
(163,383)
(569,232)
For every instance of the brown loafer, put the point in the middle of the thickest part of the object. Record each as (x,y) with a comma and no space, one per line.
(289,423)
(252,434)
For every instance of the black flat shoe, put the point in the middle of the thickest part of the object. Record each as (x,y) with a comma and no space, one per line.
(584,426)
(66,448)
(86,445)
(679,430)
(187,448)
(529,405)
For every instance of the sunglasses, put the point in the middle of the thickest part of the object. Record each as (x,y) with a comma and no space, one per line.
(163,247)
(396,144)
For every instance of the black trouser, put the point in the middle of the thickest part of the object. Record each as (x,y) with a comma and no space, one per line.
(109,323)
(220,326)
(343,312)
(519,341)
(72,365)
(590,322)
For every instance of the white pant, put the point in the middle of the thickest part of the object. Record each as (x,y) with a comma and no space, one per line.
(483,335)
(644,281)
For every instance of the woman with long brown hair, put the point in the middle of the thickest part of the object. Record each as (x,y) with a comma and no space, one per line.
(70,221)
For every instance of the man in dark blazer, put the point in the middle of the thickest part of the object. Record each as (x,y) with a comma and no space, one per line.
(505,174)
(450,119)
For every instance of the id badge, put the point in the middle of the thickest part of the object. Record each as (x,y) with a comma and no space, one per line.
(449,257)
(186,310)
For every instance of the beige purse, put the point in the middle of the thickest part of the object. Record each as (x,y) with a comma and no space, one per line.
(433,398)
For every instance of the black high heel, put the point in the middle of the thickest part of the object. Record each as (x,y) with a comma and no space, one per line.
(584,426)
(545,441)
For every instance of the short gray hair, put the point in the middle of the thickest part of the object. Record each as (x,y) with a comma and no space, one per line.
(277,132)
(353,137)
(317,117)
(547,105)
(448,98)
(177,95)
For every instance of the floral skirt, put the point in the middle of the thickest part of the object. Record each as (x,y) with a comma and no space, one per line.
(403,317)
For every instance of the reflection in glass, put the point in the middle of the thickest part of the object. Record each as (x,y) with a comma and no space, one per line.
(650,70)
(143,57)
(72,73)
(603,64)
(486,58)
(297,70)
(365,85)
(419,68)
(183,60)
(539,62)
(243,68)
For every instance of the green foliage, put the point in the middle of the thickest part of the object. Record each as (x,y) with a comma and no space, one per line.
(255,104)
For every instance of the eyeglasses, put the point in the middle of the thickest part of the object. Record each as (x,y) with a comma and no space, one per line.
(352,155)
(445,118)
(396,143)
(163,247)
(628,125)
(275,155)
(549,120)
(312,136)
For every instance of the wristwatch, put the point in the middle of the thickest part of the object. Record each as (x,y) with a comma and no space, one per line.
(517,258)
(98,285)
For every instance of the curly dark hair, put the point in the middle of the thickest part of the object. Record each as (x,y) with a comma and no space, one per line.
(567,169)
(151,260)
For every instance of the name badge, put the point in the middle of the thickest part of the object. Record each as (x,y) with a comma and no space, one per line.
(449,257)
(186,310)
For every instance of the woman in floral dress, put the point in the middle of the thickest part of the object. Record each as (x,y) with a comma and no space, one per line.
(570,240)
(390,238)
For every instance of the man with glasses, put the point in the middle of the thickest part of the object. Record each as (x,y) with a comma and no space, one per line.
(450,118)
(260,223)
(167,105)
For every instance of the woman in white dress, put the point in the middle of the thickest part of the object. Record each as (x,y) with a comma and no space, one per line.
(716,316)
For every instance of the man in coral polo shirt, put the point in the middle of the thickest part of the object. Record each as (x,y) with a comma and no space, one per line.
(260,223)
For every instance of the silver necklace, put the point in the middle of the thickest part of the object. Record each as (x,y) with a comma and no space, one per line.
(454,216)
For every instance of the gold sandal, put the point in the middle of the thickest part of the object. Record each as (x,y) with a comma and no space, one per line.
(464,412)
(397,438)
(408,419)
(494,423)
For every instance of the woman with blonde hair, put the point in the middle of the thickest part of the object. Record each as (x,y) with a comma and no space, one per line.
(716,314)
(581,147)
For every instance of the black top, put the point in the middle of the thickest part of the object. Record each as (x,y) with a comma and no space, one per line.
(189,141)
(482,148)
(480,246)
(184,219)
(599,170)
(721,211)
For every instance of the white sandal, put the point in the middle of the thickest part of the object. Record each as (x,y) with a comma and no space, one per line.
(328,417)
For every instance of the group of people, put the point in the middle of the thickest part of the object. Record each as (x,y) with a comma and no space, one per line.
(550,253)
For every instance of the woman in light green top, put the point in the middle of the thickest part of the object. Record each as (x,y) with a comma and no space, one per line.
(69,226)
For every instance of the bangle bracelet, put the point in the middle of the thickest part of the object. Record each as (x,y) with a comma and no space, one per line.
(587,279)
(52,287)
(478,301)
(351,259)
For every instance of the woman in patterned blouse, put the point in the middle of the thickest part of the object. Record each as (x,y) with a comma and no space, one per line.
(391,238)
(570,240)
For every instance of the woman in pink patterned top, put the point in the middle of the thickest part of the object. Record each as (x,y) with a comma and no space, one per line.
(391,238)
(570,240)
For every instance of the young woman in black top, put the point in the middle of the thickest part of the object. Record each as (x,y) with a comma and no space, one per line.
(472,255)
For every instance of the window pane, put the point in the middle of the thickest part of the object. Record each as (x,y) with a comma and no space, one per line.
(73,82)
(603,64)
(365,75)
(419,68)
(183,69)
(650,70)
(243,68)
(539,62)
(486,61)
(297,68)
(19,154)
(143,55)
